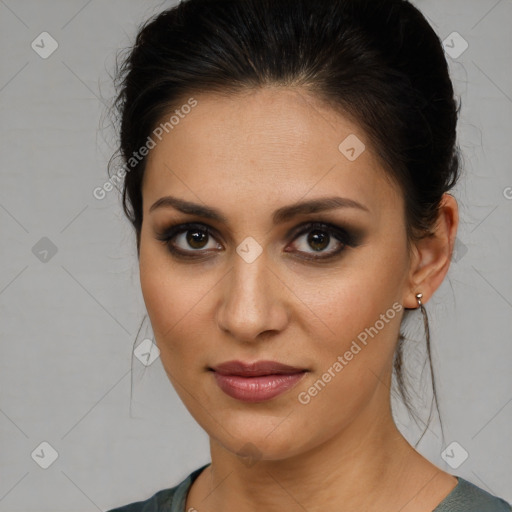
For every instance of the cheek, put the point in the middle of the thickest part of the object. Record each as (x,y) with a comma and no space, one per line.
(360,307)
(362,327)
(175,300)
(156,297)
(354,298)
(162,290)
(363,315)
(168,316)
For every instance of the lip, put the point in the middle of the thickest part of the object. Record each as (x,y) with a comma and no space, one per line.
(255,369)
(258,381)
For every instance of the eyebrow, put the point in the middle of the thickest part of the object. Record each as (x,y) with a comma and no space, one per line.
(281,215)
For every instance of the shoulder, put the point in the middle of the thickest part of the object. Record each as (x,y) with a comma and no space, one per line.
(166,500)
(160,501)
(467,497)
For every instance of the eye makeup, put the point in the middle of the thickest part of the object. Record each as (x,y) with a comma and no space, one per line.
(201,234)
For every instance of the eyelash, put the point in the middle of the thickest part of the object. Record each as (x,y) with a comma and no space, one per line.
(345,238)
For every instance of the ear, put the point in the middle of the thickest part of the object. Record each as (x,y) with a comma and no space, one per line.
(432,255)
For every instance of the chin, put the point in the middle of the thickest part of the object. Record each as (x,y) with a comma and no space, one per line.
(259,437)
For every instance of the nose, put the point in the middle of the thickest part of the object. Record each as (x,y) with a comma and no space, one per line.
(254,302)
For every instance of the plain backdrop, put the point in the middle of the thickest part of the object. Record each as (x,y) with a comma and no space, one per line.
(113,430)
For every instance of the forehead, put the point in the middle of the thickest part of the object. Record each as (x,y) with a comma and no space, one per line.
(268,146)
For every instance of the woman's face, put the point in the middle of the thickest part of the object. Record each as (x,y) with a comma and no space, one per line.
(265,280)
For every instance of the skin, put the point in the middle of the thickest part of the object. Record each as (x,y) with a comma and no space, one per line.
(248,155)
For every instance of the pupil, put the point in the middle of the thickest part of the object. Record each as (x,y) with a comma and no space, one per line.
(319,239)
(196,237)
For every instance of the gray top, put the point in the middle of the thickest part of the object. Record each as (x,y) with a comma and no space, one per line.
(465,497)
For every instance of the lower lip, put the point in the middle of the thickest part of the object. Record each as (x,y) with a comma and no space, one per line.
(257,389)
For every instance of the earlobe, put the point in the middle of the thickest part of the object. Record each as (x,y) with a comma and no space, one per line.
(432,254)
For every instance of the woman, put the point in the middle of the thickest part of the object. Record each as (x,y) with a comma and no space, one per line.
(287,172)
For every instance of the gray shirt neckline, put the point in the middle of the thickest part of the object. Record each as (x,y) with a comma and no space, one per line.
(464,497)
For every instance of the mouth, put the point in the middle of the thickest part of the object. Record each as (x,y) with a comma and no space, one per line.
(256,382)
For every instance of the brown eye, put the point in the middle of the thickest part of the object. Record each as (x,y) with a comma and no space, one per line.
(186,239)
(324,238)
(197,238)
(318,240)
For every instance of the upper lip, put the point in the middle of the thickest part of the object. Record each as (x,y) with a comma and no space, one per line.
(255,369)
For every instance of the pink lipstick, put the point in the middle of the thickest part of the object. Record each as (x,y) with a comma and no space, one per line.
(256,382)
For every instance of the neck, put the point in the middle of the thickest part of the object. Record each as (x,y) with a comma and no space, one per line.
(365,464)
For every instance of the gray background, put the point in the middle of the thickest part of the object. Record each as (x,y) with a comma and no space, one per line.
(69,320)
